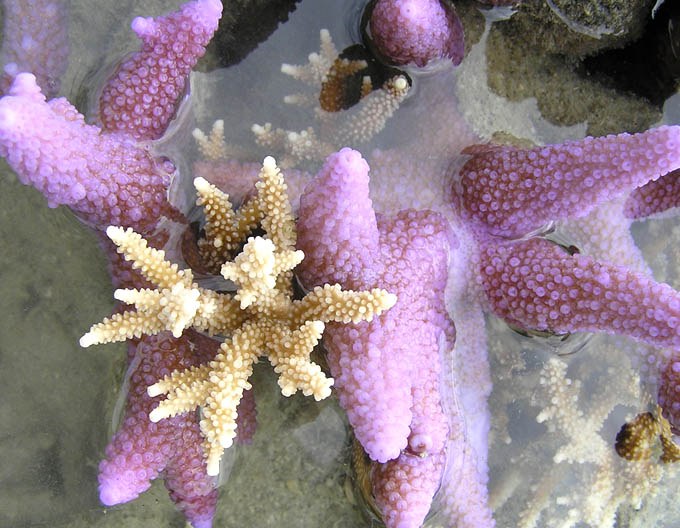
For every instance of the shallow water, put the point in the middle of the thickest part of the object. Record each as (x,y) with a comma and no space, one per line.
(58,399)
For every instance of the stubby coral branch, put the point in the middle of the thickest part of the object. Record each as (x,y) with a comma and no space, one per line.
(141,97)
(417,32)
(386,376)
(654,197)
(536,284)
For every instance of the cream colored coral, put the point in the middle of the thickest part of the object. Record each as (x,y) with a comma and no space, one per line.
(177,303)
(333,129)
(276,327)
(614,481)
(225,229)
(318,64)
(260,319)
(584,445)
(212,146)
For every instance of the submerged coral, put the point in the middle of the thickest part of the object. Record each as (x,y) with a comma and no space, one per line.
(260,319)
(453,228)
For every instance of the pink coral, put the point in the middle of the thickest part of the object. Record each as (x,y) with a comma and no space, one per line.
(417,31)
(35,40)
(141,97)
(403,488)
(538,285)
(141,450)
(654,197)
(514,191)
(391,406)
(110,177)
(105,178)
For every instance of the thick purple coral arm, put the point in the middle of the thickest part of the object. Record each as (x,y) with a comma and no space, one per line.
(106,179)
(336,207)
(654,197)
(140,99)
(35,40)
(417,31)
(141,450)
(512,191)
(403,488)
(537,285)
(387,372)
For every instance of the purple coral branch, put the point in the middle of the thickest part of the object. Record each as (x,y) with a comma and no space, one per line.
(35,40)
(654,197)
(107,179)
(394,407)
(140,450)
(142,96)
(417,32)
(537,285)
(512,191)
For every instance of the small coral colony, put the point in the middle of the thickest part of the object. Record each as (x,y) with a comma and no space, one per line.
(390,268)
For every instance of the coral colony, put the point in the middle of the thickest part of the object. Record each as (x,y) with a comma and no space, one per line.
(395,293)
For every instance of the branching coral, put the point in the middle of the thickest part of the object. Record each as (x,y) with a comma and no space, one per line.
(611,481)
(333,129)
(260,319)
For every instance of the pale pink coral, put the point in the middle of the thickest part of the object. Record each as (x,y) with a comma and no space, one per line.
(392,406)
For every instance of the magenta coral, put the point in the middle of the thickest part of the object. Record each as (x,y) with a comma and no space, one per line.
(388,372)
(391,406)
(109,177)
(403,488)
(538,285)
(513,191)
(35,40)
(141,97)
(417,31)
(105,178)
(654,197)
(140,450)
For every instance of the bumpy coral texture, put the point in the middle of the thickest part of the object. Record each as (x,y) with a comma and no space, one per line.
(140,99)
(417,31)
(654,197)
(141,450)
(61,156)
(391,406)
(537,285)
(35,40)
(387,369)
(403,488)
(109,178)
(515,191)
